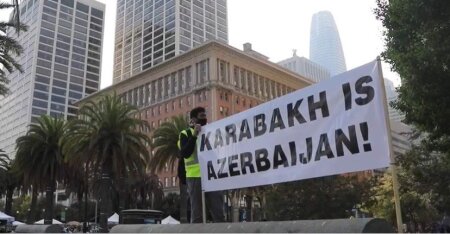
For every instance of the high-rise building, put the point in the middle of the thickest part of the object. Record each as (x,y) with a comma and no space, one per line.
(305,68)
(325,46)
(214,75)
(391,96)
(61,63)
(149,32)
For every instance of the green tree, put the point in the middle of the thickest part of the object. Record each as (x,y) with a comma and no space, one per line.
(427,173)
(170,205)
(328,197)
(39,156)
(5,180)
(166,153)
(109,139)
(418,48)
(417,208)
(8,181)
(139,192)
(9,47)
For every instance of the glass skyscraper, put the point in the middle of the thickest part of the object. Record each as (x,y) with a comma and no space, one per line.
(149,32)
(325,46)
(61,63)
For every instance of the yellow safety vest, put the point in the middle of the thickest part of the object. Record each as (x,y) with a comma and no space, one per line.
(191,164)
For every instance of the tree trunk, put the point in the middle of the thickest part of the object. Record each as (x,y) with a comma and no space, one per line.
(183,203)
(105,202)
(235,206)
(9,200)
(85,226)
(49,192)
(80,203)
(263,206)
(248,208)
(32,213)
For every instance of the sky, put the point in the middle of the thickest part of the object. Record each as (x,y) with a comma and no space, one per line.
(276,27)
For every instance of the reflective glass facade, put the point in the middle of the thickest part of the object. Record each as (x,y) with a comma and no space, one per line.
(61,63)
(325,46)
(149,32)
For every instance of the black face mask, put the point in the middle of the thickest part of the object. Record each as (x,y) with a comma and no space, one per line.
(202,121)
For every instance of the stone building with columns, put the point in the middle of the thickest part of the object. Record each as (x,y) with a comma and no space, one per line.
(214,75)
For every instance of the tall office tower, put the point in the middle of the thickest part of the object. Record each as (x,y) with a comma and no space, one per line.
(305,68)
(325,44)
(61,63)
(151,31)
(392,96)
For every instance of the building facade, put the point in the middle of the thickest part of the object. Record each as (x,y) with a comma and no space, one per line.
(149,32)
(214,75)
(325,46)
(61,63)
(305,68)
(391,96)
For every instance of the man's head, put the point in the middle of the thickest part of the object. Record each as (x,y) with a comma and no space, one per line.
(198,115)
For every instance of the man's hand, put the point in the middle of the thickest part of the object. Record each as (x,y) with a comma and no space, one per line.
(197,129)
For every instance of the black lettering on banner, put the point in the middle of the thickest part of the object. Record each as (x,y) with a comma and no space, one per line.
(218,141)
(351,142)
(367,90)
(232,165)
(321,151)
(205,142)
(211,171)
(220,173)
(347,95)
(279,157)
(365,134)
(306,159)
(260,125)
(321,104)
(246,162)
(277,120)
(293,153)
(293,111)
(262,162)
(230,133)
(245,130)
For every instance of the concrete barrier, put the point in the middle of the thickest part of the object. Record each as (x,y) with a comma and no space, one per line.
(366,225)
(39,228)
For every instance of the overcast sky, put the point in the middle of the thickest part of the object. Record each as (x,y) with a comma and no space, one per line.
(276,27)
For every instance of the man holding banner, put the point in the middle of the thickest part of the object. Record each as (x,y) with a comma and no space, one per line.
(336,126)
(187,144)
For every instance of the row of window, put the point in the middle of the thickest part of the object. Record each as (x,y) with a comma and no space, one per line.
(160,89)
(167,184)
(251,82)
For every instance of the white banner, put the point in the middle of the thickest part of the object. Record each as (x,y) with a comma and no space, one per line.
(333,127)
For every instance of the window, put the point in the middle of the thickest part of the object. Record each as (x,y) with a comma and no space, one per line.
(68,3)
(166,182)
(97,13)
(82,7)
(174,181)
(38,103)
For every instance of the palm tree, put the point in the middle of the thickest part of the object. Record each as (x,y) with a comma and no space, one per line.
(139,191)
(8,181)
(5,178)
(39,156)
(109,139)
(8,46)
(75,181)
(4,160)
(166,152)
